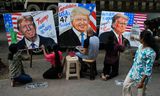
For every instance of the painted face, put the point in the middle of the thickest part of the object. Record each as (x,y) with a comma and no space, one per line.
(120,25)
(80,22)
(28,29)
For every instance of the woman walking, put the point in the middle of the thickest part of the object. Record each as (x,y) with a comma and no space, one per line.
(141,69)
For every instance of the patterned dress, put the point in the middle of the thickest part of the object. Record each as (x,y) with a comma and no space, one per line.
(142,64)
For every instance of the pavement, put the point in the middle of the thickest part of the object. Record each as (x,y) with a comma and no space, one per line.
(73,86)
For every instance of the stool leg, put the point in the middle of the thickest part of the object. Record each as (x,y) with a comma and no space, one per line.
(67,71)
(95,68)
(78,69)
(12,82)
(92,75)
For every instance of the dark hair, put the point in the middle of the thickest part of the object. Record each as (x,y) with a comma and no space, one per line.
(58,63)
(90,32)
(149,40)
(13,48)
(57,59)
(49,49)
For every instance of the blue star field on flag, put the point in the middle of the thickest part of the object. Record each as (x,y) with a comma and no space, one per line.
(131,18)
(8,21)
(89,7)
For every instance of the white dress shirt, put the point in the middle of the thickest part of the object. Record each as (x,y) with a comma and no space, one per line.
(36,42)
(116,35)
(79,34)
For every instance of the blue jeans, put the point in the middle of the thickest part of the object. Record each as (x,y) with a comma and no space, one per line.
(23,78)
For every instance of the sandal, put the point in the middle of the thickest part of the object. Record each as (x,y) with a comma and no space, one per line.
(59,75)
(107,77)
(12,83)
(104,77)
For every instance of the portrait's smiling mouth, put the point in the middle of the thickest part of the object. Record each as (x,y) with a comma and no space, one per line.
(82,26)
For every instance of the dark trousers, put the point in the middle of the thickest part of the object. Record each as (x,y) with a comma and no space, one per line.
(51,73)
(111,69)
(23,78)
(85,67)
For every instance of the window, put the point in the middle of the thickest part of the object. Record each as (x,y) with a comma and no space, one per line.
(119,5)
(111,5)
(135,5)
(127,5)
(143,6)
(102,4)
(151,5)
(158,6)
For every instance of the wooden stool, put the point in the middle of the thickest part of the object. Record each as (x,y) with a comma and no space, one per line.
(72,60)
(92,68)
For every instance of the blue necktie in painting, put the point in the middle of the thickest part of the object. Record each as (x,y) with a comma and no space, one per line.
(82,39)
(33,45)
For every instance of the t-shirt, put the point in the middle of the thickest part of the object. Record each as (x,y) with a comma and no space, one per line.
(51,57)
(92,44)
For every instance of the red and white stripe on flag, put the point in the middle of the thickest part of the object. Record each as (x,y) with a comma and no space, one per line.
(8,37)
(93,20)
(139,18)
(14,22)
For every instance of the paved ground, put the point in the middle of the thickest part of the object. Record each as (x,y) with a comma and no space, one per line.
(72,87)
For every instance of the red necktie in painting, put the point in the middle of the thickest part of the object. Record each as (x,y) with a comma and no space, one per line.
(120,39)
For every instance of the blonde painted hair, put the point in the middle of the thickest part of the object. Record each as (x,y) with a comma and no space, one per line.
(79,10)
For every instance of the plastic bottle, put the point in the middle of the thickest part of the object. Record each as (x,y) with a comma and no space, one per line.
(37,85)
(119,82)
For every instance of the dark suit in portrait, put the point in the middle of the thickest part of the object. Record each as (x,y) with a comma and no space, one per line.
(110,43)
(103,39)
(46,41)
(69,38)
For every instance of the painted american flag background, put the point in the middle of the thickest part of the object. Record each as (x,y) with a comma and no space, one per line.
(137,18)
(10,21)
(65,12)
(41,18)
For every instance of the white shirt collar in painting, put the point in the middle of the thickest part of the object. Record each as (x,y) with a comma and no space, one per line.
(79,34)
(115,34)
(28,43)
